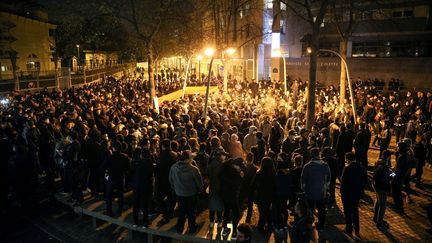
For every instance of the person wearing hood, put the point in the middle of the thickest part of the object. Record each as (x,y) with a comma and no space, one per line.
(381,185)
(185,179)
(236,149)
(250,139)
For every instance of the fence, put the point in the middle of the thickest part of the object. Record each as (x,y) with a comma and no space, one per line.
(47,80)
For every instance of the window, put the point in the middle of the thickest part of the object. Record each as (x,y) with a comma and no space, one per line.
(283,6)
(33,65)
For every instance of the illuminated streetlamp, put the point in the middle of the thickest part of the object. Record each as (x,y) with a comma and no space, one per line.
(309,50)
(78,56)
(210,53)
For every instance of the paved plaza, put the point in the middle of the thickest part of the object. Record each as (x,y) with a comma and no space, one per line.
(411,227)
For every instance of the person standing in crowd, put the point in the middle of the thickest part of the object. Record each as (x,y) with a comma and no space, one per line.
(353,182)
(142,183)
(399,126)
(116,168)
(247,192)
(186,181)
(420,154)
(164,193)
(361,144)
(276,137)
(384,137)
(217,157)
(334,171)
(265,192)
(401,172)
(244,233)
(283,191)
(73,161)
(230,177)
(381,185)
(250,139)
(315,180)
(302,229)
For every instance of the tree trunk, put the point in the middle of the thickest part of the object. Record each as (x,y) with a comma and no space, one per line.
(151,66)
(310,113)
(343,52)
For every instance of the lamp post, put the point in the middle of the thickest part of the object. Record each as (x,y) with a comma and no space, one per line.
(78,55)
(209,52)
(230,51)
(278,53)
(309,50)
(199,67)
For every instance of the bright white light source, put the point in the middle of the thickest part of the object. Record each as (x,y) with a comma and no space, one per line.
(4,101)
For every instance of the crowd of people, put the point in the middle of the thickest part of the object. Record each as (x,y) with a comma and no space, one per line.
(252,148)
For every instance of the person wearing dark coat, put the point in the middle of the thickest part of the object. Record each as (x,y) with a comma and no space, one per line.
(142,168)
(283,191)
(265,187)
(230,178)
(381,185)
(73,168)
(22,176)
(401,173)
(334,170)
(247,192)
(116,167)
(301,231)
(353,181)
(341,146)
(361,144)
(164,193)
(420,153)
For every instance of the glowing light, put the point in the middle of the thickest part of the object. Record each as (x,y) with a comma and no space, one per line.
(199,56)
(4,101)
(230,51)
(209,52)
(309,50)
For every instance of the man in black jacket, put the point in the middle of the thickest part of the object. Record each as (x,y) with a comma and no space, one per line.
(401,172)
(167,158)
(353,182)
(361,145)
(381,185)
(116,166)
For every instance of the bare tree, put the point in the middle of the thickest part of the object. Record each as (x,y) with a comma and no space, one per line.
(344,15)
(313,12)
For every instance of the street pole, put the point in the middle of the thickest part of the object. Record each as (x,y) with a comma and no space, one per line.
(187,72)
(285,78)
(208,88)
(349,82)
(199,70)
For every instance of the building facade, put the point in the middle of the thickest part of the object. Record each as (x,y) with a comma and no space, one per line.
(27,40)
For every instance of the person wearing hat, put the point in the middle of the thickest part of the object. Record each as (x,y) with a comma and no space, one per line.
(353,182)
(401,172)
(315,181)
(185,179)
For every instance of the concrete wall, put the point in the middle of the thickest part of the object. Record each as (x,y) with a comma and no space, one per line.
(415,72)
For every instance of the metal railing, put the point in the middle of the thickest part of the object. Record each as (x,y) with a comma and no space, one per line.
(38,82)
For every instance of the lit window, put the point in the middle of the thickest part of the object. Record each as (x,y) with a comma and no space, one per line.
(283,6)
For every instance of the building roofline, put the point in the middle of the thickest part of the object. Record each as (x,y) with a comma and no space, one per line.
(26,17)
